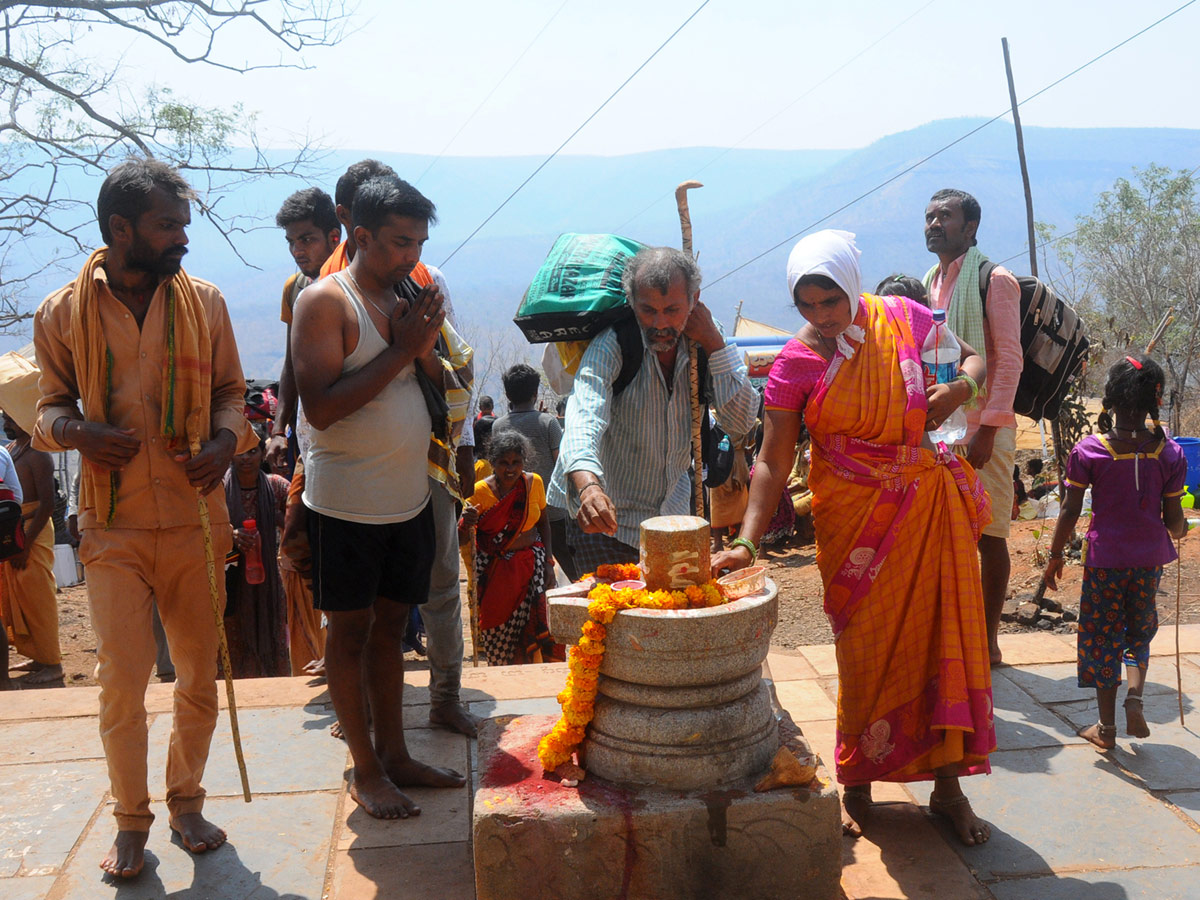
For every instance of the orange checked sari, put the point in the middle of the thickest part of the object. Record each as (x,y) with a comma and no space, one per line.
(896,528)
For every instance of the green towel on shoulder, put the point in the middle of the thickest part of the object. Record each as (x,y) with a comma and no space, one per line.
(965,312)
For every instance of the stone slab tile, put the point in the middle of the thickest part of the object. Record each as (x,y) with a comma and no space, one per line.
(1175,883)
(445,813)
(512,682)
(903,857)
(1059,683)
(50,703)
(1054,811)
(608,840)
(51,740)
(33,888)
(298,690)
(805,700)
(821,657)
(1021,722)
(787,667)
(278,848)
(1036,648)
(1188,802)
(314,761)
(445,819)
(1168,760)
(529,706)
(429,872)
(1189,640)
(46,807)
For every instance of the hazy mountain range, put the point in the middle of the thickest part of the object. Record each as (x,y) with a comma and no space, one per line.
(752,200)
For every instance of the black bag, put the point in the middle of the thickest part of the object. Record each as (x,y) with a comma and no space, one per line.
(1054,346)
(12,532)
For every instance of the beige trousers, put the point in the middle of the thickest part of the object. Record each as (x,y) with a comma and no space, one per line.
(128,572)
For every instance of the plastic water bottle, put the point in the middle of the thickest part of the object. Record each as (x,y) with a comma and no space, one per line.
(254,571)
(940,356)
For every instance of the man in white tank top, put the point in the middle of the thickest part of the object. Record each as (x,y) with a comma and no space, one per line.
(370,522)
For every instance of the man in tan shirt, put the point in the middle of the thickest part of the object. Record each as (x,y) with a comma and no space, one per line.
(135,335)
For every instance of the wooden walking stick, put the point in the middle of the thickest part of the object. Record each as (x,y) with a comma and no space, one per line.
(1178,591)
(193,430)
(468,555)
(685,225)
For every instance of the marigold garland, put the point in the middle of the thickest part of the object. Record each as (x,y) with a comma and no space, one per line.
(578,697)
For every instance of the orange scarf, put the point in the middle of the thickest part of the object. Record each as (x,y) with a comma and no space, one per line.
(187,378)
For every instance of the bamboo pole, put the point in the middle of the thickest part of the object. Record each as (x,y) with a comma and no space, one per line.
(193,430)
(685,226)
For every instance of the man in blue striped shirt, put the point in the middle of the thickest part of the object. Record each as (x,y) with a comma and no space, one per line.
(626,458)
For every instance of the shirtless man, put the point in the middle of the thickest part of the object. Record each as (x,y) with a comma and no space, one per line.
(364,331)
(30,606)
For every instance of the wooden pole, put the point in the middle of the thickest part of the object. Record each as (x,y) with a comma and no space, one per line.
(193,430)
(685,226)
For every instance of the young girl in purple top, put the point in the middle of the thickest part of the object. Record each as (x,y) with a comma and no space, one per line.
(1136,475)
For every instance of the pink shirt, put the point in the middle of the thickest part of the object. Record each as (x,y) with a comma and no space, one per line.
(1002,343)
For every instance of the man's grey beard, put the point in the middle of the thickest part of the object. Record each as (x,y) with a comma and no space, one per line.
(662,346)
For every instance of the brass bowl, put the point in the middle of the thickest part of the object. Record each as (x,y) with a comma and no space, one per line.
(743,582)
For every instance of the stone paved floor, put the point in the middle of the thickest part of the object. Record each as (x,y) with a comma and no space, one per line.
(1067,822)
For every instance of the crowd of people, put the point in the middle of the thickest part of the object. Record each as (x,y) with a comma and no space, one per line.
(342,513)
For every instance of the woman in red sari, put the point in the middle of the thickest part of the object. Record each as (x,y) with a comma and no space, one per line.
(513,553)
(896,521)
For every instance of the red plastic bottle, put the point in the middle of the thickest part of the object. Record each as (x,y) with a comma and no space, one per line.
(253,569)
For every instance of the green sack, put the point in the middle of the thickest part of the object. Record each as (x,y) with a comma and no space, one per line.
(577,291)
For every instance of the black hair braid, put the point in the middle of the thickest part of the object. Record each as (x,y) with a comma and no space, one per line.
(1134,386)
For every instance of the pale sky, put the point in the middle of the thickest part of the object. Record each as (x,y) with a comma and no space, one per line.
(412,73)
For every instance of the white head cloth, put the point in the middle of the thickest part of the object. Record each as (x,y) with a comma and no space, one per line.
(831,253)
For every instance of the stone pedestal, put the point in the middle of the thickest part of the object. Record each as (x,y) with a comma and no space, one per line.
(681,703)
(535,838)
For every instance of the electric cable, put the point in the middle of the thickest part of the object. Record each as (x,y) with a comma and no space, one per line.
(943,149)
(571,136)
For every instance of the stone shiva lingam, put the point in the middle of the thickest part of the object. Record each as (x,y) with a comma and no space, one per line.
(682,729)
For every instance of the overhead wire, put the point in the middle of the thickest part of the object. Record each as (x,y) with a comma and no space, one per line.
(571,136)
(855,57)
(495,88)
(952,143)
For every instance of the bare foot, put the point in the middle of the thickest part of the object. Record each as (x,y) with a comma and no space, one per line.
(856,809)
(127,856)
(995,656)
(45,675)
(1135,718)
(971,829)
(1103,736)
(455,717)
(335,731)
(411,773)
(315,668)
(381,799)
(7,684)
(197,833)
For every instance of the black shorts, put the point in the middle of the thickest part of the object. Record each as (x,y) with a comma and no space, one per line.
(355,563)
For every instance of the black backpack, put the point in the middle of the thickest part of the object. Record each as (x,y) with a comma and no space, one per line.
(717,460)
(1054,346)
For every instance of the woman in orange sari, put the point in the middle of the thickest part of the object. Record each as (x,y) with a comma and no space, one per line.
(896,520)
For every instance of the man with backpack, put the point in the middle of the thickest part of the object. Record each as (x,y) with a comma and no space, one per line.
(626,451)
(988,317)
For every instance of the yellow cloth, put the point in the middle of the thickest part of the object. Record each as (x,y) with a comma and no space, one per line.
(28,601)
(914,679)
(306,636)
(187,377)
(19,392)
(483,469)
(485,498)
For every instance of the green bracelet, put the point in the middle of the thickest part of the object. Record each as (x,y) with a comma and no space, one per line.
(971,383)
(748,544)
